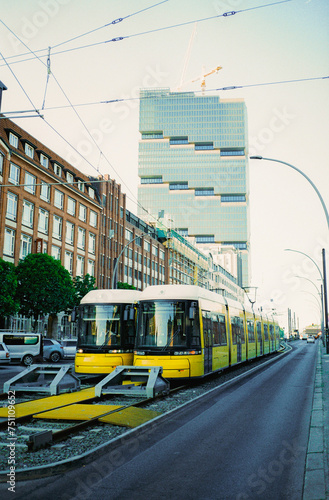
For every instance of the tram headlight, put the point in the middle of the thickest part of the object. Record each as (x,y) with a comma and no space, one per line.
(139,353)
(186,353)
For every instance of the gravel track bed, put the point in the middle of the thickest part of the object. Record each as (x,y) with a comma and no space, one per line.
(89,439)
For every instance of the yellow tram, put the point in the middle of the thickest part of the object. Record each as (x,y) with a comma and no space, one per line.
(106,330)
(192,332)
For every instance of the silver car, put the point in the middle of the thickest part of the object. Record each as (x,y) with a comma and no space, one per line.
(4,353)
(69,348)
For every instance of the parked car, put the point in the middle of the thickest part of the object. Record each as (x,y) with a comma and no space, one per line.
(52,350)
(310,339)
(4,353)
(69,347)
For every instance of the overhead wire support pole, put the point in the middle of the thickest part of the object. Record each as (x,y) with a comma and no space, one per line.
(118,258)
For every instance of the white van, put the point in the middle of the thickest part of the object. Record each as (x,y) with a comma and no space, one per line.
(22,346)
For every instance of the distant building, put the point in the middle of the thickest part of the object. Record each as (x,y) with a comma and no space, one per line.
(193,167)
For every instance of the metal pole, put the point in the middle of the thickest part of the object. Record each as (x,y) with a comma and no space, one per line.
(117,261)
(325,300)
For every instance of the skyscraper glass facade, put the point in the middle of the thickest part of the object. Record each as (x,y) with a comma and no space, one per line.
(193,166)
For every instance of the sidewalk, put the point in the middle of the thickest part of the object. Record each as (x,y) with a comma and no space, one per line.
(316,483)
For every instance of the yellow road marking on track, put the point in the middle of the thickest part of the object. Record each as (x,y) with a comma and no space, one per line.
(31,407)
(127,417)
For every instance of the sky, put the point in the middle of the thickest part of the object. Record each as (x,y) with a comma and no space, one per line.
(276,52)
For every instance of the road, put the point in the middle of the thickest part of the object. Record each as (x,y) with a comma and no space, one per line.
(247,441)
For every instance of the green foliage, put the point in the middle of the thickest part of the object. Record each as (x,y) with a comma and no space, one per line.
(8,303)
(82,286)
(125,286)
(44,286)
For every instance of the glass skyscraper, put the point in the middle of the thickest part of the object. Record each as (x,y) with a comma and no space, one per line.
(193,167)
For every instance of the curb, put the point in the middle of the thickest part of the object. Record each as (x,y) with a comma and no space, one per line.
(314,481)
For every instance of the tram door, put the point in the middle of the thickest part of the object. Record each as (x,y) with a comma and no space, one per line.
(207,341)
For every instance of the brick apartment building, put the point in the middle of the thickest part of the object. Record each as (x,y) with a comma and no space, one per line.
(46,205)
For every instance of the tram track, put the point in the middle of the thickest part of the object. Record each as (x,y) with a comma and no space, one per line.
(69,441)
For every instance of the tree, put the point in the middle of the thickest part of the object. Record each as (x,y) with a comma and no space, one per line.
(44,286)
(82,286)
(8,302)
(125,286)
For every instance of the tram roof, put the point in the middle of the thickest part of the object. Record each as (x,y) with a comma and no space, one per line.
(185,292)
(111,296)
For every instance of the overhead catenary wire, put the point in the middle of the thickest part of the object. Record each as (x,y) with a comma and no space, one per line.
(155,30)
(67,142)
(128,99)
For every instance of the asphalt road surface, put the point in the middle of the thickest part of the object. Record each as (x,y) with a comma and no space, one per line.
(247,441)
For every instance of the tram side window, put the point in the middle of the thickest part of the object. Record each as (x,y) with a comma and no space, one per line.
(207,328)
(265,331)
(259,331)
(237,330)
(251,331)
(219,327)
(271,331)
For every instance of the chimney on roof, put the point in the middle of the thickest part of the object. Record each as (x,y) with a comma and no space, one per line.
(2,87)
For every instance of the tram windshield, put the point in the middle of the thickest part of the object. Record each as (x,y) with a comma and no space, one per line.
(166,324)
(108,326)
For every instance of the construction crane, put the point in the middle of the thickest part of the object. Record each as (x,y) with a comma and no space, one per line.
(203,76)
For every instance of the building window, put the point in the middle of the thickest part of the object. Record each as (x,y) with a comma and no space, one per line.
(68,261)
(152,180)
(80,265)
(233,198)
(14,174)
(26,246)
(236,244)
(91,193)
(44,160)
(81,238)
(59,199)
(82,213)
(203,145)
(69,238)
(56,252)
(93,218)
(183,232)
(71,203)
(204,192)
(11,212)
(81,186)
(43,223)
(69,177)
(13,140)
(57,227)
(147,246)
(28,211)
(57,170)
(45,192)
(205,239)
(178,185)
(2,158)
(91,267)
(232,152)
(29,150)
(9,243)
(30,182)
(92,243)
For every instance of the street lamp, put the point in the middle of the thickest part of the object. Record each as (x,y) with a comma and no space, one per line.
(324,279)
(304,175)
(322,295)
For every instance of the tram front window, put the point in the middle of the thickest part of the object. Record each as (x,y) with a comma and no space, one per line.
(165,324)
(100,325)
